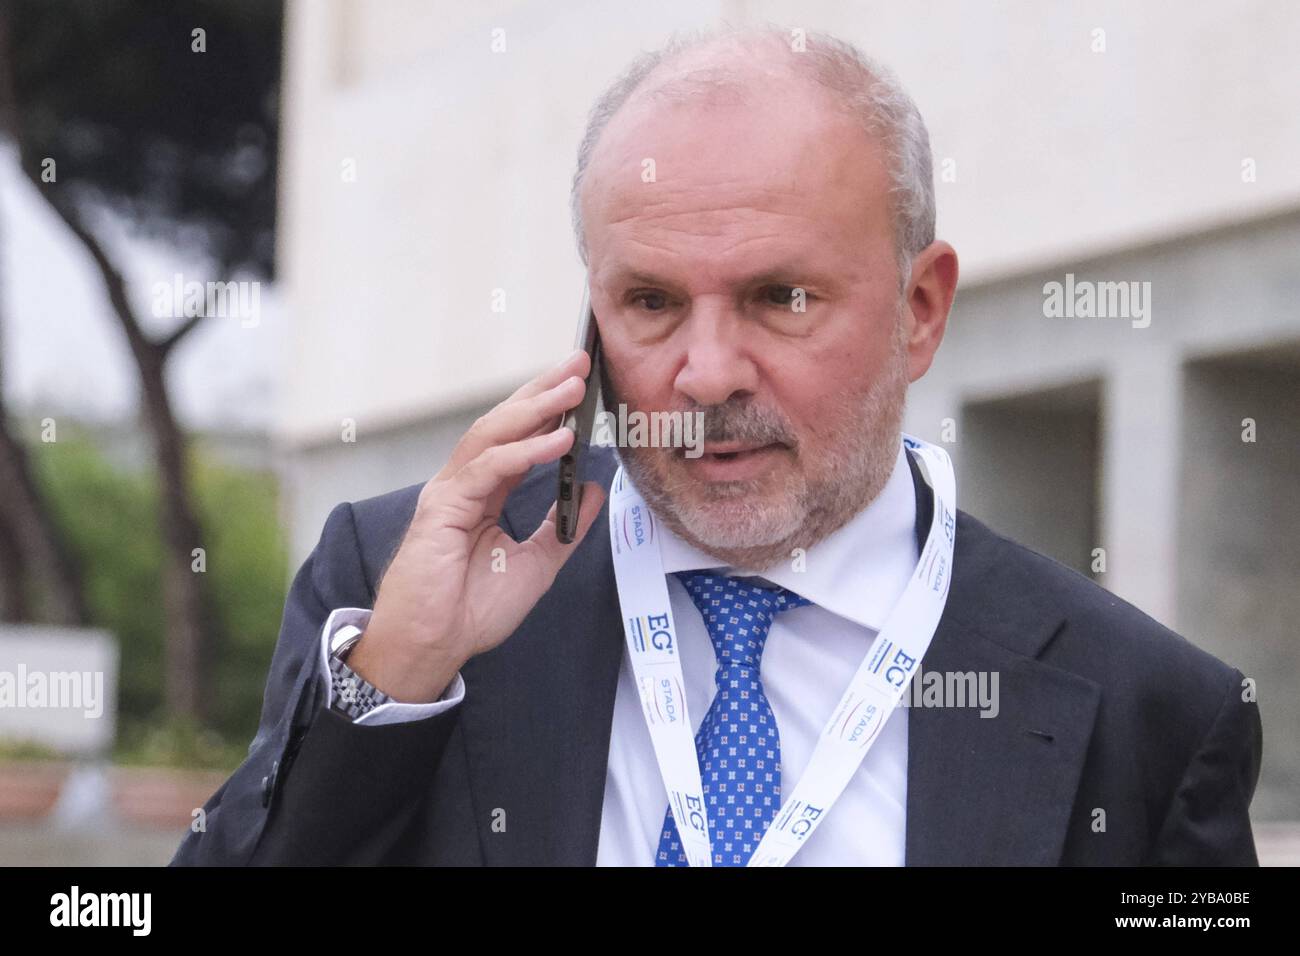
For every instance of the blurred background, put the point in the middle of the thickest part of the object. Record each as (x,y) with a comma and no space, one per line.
(259,258)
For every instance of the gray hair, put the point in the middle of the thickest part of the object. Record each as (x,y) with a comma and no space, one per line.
(865,89)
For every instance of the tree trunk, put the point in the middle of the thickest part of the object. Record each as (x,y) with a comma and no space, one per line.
(190,636)
(13,594)
(49,572)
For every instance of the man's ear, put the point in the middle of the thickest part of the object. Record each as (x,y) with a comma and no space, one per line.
(930,293)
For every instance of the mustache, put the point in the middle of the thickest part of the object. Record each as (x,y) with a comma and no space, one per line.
(737,419)
(743,421)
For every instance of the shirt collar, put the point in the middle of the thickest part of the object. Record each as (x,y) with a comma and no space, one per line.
(858,572)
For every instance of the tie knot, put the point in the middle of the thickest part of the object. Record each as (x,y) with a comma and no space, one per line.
(737,615)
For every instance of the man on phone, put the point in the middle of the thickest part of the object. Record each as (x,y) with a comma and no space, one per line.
(455,685)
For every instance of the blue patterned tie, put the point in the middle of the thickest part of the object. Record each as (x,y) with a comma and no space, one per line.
(738,745)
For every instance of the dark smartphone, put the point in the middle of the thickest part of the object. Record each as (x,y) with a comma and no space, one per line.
(581,420)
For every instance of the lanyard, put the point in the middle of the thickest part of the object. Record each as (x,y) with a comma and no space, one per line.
(857,719)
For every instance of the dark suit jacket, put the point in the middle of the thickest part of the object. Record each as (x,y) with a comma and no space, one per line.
(1117,741)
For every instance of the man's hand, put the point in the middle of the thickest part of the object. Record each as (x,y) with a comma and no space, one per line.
(441,602)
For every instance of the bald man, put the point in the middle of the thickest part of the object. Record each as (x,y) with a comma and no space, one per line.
(758,655)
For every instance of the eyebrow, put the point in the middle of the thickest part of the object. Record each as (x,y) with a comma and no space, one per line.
(635,277)
(779,274)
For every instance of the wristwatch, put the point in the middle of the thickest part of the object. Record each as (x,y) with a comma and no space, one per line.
(353,695)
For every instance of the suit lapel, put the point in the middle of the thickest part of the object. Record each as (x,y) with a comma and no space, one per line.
(537,747)
(994,790)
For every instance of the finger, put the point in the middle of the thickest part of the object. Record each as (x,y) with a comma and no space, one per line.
(461,500)
(546,549)
(577,362)
(515,421)
(496,501)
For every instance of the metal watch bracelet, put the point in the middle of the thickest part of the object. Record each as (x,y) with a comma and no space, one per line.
(353,695)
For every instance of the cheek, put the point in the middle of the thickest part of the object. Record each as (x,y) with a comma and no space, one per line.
(827,391)
(804,397)
(641,379)
(854,362)
(633,381)
(818,417)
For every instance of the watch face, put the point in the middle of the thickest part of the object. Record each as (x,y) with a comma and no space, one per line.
(343,638)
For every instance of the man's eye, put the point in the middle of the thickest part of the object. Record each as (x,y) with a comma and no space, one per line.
(654,301)
(785,295)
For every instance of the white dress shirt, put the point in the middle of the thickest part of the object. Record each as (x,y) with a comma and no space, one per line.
(853,577)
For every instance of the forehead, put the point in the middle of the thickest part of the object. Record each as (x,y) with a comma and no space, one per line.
(777,173)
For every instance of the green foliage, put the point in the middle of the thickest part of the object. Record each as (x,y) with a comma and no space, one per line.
(15,750)
(247,561)
(177,742)
(109,519)
(110,523)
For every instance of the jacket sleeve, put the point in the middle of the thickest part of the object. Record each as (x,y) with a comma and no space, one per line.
(1208,822)
(317,788)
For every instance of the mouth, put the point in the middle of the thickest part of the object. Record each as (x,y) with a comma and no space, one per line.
(733,461)
(730,450)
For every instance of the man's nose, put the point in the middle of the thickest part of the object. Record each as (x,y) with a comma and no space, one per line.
(718,361)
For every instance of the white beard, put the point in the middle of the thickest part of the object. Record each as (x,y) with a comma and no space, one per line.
(734,521)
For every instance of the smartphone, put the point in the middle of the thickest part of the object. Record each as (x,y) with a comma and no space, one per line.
(580,420)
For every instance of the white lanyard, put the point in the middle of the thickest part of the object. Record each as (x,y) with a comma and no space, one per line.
(854,724)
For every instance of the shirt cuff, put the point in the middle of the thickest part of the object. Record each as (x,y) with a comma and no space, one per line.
(392,712)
